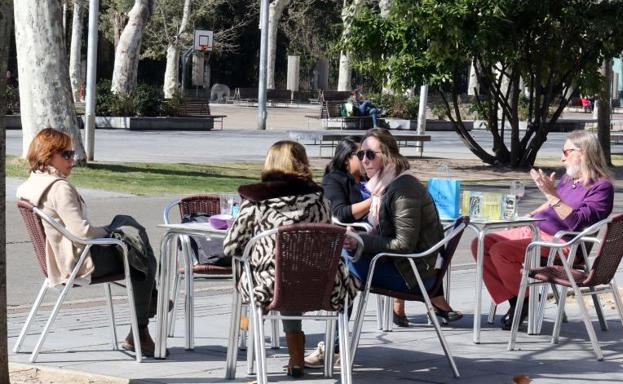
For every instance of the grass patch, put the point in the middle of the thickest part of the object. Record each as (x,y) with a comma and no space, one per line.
(154,178)
(157,178)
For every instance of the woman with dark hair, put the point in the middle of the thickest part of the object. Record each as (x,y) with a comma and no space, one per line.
(344,185)
(404,220)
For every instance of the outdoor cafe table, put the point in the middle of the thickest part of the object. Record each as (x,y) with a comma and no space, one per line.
(168,264)
(482,227)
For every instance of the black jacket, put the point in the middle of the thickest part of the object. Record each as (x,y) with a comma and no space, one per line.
(409,223)
(341,190)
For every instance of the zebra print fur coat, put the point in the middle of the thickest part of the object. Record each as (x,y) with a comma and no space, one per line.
(279,200)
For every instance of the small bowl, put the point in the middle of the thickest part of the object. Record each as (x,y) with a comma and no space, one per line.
(222,221)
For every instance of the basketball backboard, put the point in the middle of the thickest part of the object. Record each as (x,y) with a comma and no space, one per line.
(203,40)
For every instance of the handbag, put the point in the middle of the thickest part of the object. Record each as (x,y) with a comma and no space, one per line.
(446,193)
(206,250)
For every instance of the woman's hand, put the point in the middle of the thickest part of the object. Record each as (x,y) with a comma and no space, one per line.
(350,244)
(546,184)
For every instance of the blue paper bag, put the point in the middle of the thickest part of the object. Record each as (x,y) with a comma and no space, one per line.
(447,196)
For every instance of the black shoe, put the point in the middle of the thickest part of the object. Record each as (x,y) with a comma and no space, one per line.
(400,320)
(448,316)
(507,320)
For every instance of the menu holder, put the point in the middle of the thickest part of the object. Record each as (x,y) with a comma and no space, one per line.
(489,205)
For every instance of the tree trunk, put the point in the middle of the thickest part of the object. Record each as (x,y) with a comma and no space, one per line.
(6,25)
(274,14)
(44,89)
(128,50)
(349,11)
(603,111)
(75,52)
(171,73)
(118,22)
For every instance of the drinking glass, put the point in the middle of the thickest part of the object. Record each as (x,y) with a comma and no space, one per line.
(227,202)
(517,188)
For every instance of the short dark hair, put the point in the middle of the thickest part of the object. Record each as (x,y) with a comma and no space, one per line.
(344,150)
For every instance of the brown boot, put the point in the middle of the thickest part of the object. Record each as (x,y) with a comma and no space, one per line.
(147,344)
(296,349)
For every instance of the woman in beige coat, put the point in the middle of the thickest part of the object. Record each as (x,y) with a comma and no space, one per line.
(51,158)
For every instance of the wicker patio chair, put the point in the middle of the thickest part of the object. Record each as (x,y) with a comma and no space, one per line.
(306,255)
(33,220)
(599,275)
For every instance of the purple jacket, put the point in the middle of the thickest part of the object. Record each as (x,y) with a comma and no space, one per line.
(590,205)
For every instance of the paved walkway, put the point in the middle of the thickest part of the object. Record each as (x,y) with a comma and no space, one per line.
(81,342)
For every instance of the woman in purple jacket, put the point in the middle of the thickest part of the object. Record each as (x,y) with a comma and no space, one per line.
(583,197)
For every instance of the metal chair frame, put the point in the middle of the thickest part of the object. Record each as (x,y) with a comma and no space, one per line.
(33,217)
(256,333)
(567,263)
(188,260)
(456,231)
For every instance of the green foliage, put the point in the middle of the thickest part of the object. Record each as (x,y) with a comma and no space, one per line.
(147,100)
(12,99)
(173,106)
(103,98)
(395,105)
(552,46)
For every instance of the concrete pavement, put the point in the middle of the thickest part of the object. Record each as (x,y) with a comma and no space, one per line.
(80,342)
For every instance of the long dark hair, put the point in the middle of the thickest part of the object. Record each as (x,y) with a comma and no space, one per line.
(344,150)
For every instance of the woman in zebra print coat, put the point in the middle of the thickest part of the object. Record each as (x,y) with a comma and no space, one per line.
(286,195)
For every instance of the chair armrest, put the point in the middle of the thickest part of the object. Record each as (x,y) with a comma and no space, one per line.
(434,248)
(358,224)
(167,209)
(579,236)
(73,238)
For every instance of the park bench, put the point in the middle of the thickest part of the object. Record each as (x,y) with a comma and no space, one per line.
(200,108)
(330,139)
(331,118)
(248,96)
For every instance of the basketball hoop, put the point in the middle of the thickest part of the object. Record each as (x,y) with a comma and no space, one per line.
(203,41)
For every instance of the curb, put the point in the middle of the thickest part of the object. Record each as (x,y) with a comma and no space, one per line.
(43,374)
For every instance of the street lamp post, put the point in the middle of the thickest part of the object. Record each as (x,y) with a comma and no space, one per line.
(89,112)
(261,89)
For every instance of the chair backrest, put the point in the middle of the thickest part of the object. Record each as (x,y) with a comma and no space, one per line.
(35,231)
(205,204)
(609,255)
(447,253)
(306,261)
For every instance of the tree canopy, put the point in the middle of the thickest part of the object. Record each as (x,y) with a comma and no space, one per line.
(529,55)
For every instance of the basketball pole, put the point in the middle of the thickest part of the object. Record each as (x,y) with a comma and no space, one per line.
(261,89)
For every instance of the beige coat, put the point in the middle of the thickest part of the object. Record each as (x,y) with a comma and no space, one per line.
(53,194)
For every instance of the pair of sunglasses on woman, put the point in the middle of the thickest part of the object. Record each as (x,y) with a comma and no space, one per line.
(68,155)
(370,154)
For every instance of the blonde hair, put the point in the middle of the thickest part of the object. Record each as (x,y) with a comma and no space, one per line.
(45,144)
(594,166)
(389,148)
(288,157)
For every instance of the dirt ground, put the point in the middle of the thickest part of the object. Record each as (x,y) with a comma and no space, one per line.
(22,374)
(475,170)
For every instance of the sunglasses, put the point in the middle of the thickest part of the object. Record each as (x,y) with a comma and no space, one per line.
(567,151)
(370,154)
(68,155)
